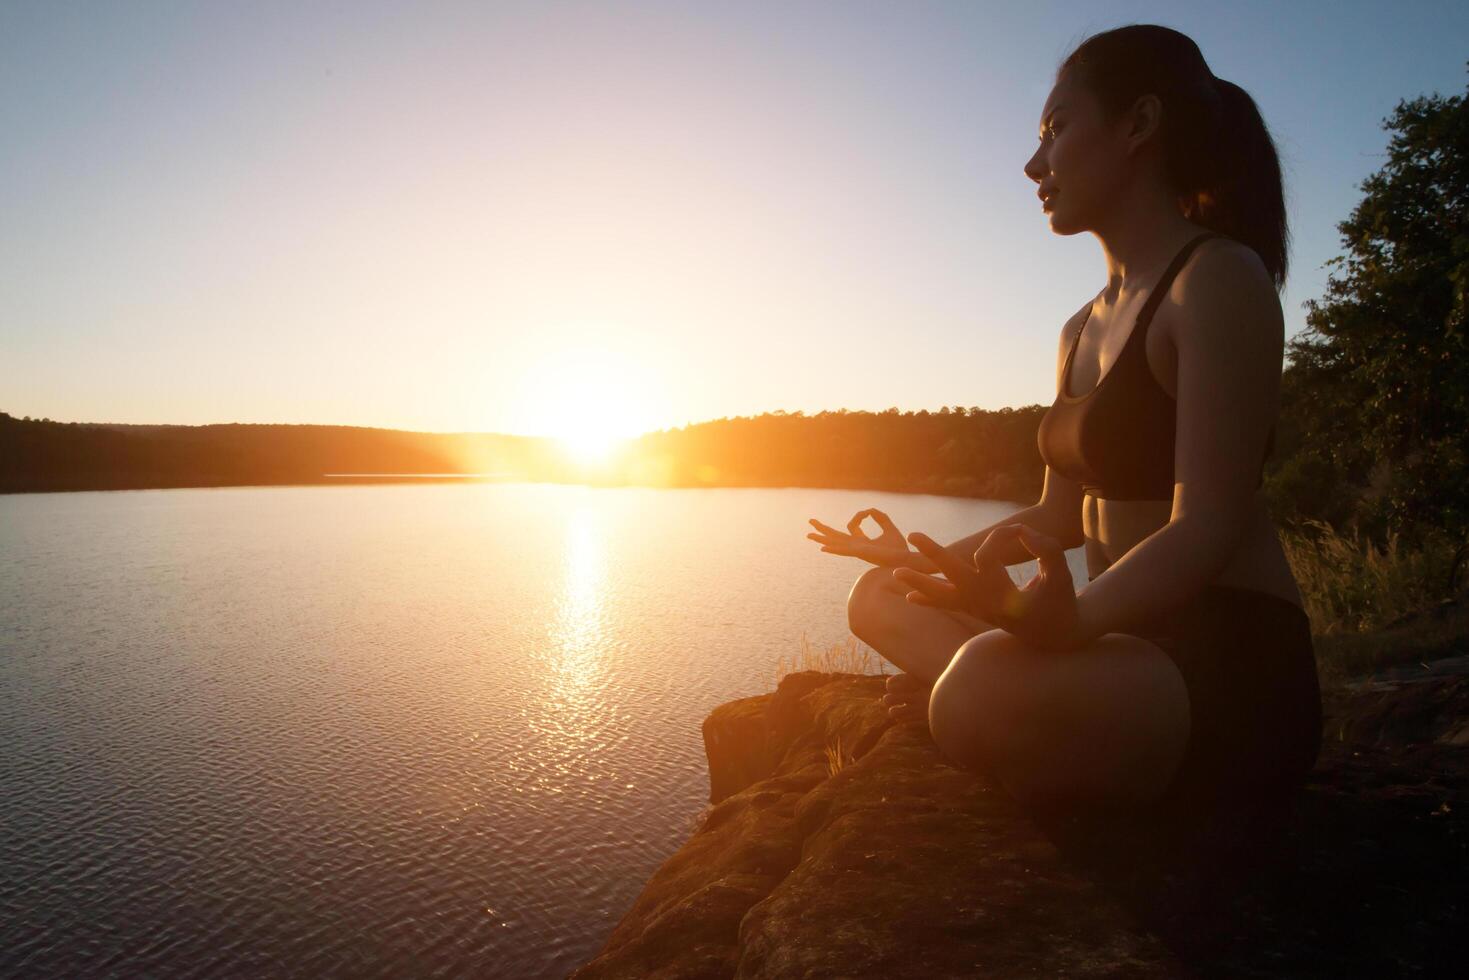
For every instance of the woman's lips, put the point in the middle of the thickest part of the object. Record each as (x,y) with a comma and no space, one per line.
(1047,200)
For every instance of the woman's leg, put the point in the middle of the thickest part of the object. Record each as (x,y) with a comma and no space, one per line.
(920,640)
(1104,725)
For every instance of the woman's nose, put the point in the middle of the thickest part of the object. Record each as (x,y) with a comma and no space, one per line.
(1035,166)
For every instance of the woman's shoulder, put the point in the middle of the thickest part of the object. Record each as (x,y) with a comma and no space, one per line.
(1069,330)
(1224,286)
(1220,266)
(1074,323)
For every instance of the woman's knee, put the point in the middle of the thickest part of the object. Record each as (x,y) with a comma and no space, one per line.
(973,701)
(869,602)
(1107,725)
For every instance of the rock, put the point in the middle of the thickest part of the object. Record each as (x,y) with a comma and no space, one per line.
(840,844)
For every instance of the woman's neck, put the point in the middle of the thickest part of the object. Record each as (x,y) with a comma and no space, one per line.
(1140,241)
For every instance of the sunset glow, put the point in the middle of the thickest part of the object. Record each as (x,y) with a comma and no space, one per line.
(413,216)
(591,399)
(591,446)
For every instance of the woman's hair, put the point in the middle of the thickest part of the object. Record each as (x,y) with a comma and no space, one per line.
(1217,151)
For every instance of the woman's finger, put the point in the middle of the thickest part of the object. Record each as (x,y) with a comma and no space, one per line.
(954,601)
(953,568)
(995,544)
(922,587)
(850,549)
(989,561)
(826,529)
(1050,555)
(885,522)
(854,526)
(915,579)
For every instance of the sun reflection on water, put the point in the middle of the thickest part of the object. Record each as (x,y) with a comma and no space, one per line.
(578,632)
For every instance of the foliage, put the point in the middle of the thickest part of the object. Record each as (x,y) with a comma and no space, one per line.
(1350,584)
(42,455)
(1376,398)
(960,452)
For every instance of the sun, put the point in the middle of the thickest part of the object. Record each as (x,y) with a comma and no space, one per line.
(590,399)
(590,445)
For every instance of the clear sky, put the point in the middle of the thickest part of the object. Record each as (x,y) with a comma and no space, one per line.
(506,217)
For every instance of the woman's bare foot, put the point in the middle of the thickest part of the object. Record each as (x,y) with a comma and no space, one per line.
(907,699)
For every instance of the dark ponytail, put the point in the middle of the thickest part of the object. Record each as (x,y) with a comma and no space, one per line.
(1217,151)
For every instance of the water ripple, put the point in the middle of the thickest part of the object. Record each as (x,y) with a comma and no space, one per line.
(377,731)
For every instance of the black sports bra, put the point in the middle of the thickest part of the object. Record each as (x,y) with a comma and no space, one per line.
(1117,439)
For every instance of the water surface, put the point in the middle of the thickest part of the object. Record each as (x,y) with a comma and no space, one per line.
(379,731)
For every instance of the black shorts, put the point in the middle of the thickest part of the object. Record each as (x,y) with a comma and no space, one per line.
(1254,696)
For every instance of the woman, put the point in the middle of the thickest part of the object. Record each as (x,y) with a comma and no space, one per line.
(1183,671)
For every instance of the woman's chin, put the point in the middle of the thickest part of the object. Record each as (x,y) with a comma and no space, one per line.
(1060,225)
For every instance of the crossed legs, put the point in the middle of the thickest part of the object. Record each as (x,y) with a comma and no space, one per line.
(1107,724)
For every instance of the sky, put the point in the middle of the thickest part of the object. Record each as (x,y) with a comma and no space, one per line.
(538,217)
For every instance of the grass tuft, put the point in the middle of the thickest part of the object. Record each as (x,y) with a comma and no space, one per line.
(839,658)
(835,758)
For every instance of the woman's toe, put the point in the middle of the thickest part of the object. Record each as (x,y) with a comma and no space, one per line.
(909,713)
(900,698)
(903,685)
(906,699)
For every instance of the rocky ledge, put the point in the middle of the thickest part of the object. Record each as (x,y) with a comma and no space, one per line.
(840,844)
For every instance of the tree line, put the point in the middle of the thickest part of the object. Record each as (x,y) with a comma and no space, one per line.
(956,451)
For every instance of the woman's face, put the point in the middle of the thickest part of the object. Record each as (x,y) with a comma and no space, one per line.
(1080,162)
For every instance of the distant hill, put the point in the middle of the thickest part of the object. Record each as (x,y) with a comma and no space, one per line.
(965,452)
(960,452)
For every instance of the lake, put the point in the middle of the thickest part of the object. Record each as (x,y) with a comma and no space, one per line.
(380,731)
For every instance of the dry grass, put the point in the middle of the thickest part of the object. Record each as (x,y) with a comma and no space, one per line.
(1350,585)
(835,757)
(839,658)
(1373,607)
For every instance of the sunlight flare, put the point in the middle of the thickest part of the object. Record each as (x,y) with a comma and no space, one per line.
(590,399)
(590,445)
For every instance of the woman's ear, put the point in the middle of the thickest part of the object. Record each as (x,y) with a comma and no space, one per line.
(1142,121)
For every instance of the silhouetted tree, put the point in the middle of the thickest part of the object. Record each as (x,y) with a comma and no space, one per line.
(1376,398)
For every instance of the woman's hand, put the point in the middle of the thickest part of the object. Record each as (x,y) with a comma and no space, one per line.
(1043,612)
(890,550)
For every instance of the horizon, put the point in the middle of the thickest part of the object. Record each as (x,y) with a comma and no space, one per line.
(590,222)
(522,435)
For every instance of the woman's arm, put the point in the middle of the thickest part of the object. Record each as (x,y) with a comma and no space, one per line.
(1229,338)
(1057,515)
